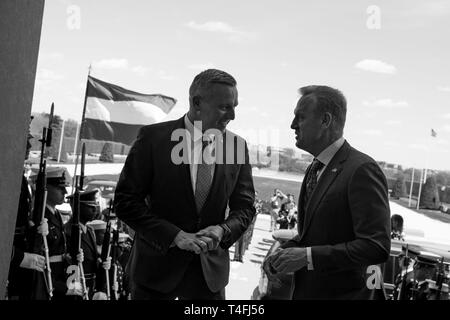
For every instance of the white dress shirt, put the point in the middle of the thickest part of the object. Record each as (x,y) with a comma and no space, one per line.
(195,150)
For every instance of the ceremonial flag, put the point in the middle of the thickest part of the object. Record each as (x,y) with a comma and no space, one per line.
(113,113)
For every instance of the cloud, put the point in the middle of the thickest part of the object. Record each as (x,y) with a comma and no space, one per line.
(444,89)
(111,64)
(47,74)
(446,128)
(140,70)
(163,75)
(393,122)
(386,103)
(233,34)
(447,116)
(212,26)
(119,64)
(430,8)
(202,66)
(376,66)
(373,132)
(391,144)
(417,146)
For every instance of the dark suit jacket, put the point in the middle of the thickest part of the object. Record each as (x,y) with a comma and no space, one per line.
(347,226)
(154,197)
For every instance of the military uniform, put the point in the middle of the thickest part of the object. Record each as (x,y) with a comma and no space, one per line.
(93,272)
(56,238)
(19,278)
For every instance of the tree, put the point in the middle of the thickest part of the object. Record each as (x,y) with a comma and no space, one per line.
(399,188)
(429,199)
(107,154)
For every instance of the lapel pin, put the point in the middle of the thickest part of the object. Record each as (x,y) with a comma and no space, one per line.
(334,170)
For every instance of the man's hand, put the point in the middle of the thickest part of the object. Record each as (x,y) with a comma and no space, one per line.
(289,260)
(270,271)
(33,261)
(43,228)
(213,232)
(190,242)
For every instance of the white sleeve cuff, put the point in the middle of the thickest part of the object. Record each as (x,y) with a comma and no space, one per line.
(309,258)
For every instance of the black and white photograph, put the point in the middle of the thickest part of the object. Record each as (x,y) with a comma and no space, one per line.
(228,153)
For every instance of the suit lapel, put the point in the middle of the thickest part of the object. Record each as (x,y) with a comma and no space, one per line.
(184,170)
(331,172)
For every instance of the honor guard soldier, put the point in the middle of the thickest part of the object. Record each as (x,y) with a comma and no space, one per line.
(22,261)
(92,266)
(58,178)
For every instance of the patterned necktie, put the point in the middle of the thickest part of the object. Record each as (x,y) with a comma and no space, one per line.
(311,180)
(311,183)
(204,180)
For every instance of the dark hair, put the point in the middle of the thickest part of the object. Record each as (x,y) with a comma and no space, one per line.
(208,77)
(397,223)
(327,99)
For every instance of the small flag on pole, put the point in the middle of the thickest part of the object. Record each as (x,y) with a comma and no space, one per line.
(433,133)
(116,114)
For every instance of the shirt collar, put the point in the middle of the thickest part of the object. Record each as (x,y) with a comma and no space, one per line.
(196,134)
(326,155)
(52,210)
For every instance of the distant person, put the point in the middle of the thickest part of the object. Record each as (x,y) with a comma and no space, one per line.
(275,206)
(93,267)
(397,227)
(344,215)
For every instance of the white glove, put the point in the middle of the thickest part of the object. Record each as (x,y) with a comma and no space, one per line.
(43,227)
(77,290)
(100,296)
(107,264)
(80,256)
(33,261)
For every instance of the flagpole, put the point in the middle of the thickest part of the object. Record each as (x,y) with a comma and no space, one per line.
(81,128)
(61,141)
(411,188)
(420,188)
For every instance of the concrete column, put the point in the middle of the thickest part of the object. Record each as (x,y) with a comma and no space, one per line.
(20,31)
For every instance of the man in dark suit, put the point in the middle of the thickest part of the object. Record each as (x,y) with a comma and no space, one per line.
(181,245)
(343,212)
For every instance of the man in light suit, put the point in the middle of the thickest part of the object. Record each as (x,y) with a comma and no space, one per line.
(343,211)
(181,245)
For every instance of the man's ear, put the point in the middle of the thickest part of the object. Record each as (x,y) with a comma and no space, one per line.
(327,119)
(196,103)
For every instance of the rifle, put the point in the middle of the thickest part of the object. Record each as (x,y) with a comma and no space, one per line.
(38,244)
(75,239)
(114,256)
(106,249)
(440,278)
(402,292)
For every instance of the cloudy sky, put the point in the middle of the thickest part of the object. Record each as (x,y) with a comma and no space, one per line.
(390,58)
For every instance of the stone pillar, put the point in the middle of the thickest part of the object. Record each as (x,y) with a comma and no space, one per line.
(20,31)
